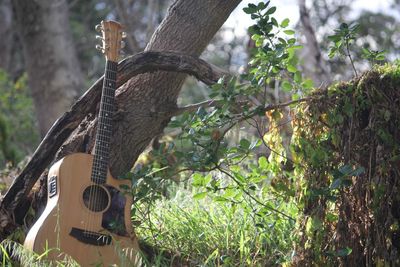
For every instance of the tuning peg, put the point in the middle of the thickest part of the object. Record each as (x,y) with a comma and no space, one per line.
(123,44)
(99,47)
(98,28)
(99,37)
(123,34)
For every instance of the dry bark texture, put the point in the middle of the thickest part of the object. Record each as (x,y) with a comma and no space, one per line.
(53,70)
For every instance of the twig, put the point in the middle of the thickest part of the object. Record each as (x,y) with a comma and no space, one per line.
(351,59)
(253,198)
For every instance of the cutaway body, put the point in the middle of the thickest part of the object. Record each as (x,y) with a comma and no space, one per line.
(92,234)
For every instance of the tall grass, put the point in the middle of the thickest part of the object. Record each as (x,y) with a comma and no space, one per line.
(207,233)
(14,254)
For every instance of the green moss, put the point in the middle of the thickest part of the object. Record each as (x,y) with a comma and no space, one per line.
(347,148)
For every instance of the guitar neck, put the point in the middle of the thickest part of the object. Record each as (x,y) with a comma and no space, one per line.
(104,124)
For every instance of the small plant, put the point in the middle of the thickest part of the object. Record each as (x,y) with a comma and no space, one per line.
(372,55)
(343,39)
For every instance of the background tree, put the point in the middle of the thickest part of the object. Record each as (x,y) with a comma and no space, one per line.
(54,72)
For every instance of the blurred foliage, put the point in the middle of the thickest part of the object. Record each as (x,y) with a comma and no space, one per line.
(377,32)
(136,16)
(18,130)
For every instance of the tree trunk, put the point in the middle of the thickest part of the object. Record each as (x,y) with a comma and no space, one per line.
(147,102)
(6,33)
(53,70)
(315,66)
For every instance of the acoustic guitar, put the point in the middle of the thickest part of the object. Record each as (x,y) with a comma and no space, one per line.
(87,215)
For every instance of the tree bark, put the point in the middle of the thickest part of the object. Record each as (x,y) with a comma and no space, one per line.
(54,74)
(146,102)
(6,33)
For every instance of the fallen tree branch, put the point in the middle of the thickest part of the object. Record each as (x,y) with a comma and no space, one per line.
(67,123)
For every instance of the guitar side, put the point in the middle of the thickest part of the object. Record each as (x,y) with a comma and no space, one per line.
(66,217)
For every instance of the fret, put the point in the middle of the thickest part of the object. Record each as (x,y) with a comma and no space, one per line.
(99,170)
(108,99)
(106,116)
(105,127)
(111,73)
(107,104)
(99,167)
(105,119)
(109,91)
(102,160)
(104,137)
(110,83)
(110,87)
(110,79)
(104,130)
(102,151)
(111,66)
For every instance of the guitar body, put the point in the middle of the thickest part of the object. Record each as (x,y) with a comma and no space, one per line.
(92,234)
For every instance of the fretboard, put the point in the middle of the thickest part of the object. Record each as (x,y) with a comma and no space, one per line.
(104,124)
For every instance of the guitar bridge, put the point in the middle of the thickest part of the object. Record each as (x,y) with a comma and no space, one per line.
(89,237)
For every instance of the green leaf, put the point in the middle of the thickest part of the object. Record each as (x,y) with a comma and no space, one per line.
(307,84)
(274,22)
(244,143)
(334,38)
(289,32)
(220,199)
(285,23)
(239,177)
(254,16)
(332,52)
(286,86)
(200,195)
(297,77)
(207,179)
(198,180)
(344,252)
(230,192)
(262,162)
(336,184)
(250,9)
(291,68)
(255,143)
(271,11)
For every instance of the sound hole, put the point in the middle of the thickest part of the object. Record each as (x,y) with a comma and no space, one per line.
(95,198)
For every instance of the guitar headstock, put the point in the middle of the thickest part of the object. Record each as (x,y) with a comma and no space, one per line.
(111,38)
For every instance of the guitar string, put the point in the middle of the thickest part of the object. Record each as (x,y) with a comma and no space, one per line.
(98,169)
(101,158)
